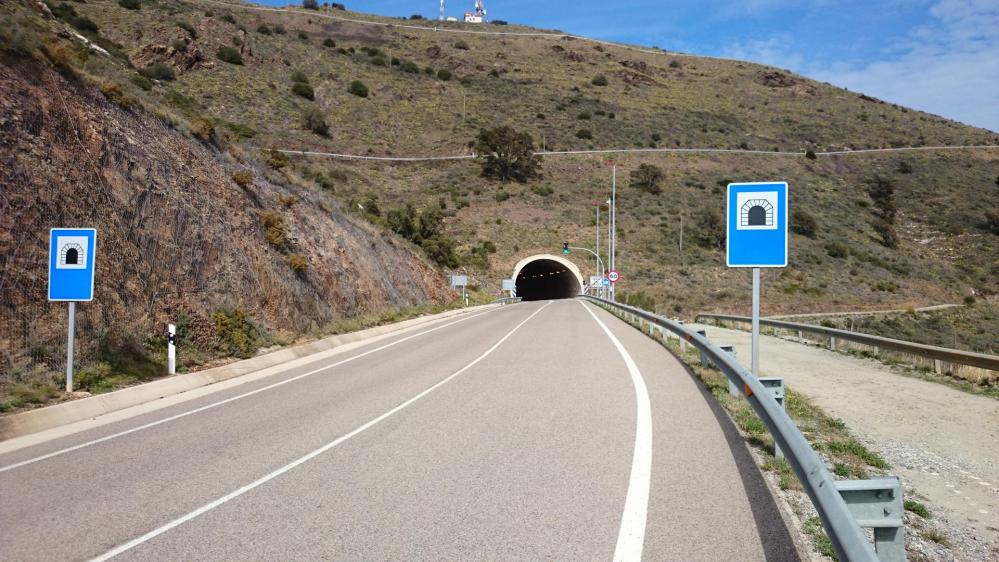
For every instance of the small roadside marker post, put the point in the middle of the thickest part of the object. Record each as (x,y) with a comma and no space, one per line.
(171,349)
(72,253)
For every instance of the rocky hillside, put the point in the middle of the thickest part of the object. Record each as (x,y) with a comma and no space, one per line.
(187,233)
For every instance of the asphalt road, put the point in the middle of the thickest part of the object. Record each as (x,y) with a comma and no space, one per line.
(527,432)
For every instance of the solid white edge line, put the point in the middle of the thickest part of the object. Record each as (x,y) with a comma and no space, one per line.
(301,460)
(631,536)
(232,399)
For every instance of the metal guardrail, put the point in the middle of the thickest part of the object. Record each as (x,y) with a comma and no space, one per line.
(955,356)
(848,538)
(507,300)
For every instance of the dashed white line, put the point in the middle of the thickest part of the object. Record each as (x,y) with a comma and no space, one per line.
(631,535)
(301,460)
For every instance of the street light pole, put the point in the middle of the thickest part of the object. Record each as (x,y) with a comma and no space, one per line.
(613,220)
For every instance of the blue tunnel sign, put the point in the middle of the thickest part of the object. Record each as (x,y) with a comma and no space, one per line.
(71,264)
(756,222)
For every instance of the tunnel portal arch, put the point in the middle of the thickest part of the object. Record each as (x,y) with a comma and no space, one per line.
(546,276)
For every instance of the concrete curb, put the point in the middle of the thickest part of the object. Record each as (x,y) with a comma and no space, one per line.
(33,421)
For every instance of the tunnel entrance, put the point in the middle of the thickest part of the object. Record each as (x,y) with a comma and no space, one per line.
(545,276)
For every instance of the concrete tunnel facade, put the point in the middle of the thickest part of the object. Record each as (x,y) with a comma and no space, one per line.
(545,276)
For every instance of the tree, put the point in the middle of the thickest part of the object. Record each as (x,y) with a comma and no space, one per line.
(509,155)
(310,4)
(647,178)
(230,55)
(710,228)
(882,193)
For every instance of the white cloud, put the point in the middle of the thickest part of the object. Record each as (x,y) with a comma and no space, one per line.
(776,50)
(949,67)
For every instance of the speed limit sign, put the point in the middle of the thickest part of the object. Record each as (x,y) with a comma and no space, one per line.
(613,276)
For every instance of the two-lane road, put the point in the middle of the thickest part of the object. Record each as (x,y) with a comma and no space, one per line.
(545,430)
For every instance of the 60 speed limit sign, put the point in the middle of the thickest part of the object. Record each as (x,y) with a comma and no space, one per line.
(613,276)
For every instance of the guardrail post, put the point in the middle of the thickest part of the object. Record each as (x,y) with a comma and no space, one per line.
(801,336)
(877,504)
(938,366)
(832,343)
(776,386)
(732,388)
(704,358)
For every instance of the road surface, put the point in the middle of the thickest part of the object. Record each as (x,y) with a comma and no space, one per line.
(536,431)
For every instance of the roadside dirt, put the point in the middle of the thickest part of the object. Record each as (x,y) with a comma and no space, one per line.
(943,443)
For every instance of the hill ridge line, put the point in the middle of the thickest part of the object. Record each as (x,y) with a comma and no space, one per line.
(627,151)
(436,29)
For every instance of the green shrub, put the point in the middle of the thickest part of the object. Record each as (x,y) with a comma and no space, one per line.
(509,154)
(378,61)
(648,178)
(275,231)
(803,223)
(710,228)
(228,18)
(584,134)
(329,43)
(237,334)
(992,221)
(203,129)
(304,90)
(459,44)
(838,249)
(584,116)
(810,154)
(410,67)
(429,71)
(599,80)
(158,71)
(298,263)
(358,89)
(299,76)
(917,508)
(230,55)
(542,190)
(188,28)
(141,81)
(444,74)
(310,4)
(674,63)
(130,4)
(502,196)
(314,121)
(276,159)
(279,29)
(263,29)
(243,178)
(904,167)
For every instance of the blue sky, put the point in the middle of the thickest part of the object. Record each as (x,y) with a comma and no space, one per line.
(940,56)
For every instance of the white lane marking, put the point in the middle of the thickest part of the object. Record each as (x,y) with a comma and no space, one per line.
(263,480)
(228,400)
(631,536)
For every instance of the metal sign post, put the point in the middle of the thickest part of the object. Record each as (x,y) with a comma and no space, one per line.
(71,278)
(756,228)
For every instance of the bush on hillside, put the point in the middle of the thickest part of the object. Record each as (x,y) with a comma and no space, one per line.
(803,223)
(709,229)
(329,43)
(276,159)
(358,89)
(584,134)
(130,4)
(410,67)
(203,129)
(263,29)
(459,44)
(279,29)
(275,231)
(444,74)
(838,249)
(303,90)
(188,28)
(810,154)
(599,80)
(141,81)
(992,221)
(886,231)
(230,55)
(243,178)
(298,263)
(314,121)
(299,76)
(310,4)
(648,178)
(509,155)
(158,71)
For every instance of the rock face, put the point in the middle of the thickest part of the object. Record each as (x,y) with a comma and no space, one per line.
(177,237)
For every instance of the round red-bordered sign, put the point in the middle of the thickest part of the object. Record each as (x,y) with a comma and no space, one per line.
(613,276)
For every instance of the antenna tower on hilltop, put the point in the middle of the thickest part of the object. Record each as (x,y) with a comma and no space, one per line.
(479,15)
(441,17)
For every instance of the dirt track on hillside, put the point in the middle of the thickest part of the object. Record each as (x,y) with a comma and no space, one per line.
(942,442)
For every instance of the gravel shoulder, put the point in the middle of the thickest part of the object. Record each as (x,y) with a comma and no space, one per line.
(943,443)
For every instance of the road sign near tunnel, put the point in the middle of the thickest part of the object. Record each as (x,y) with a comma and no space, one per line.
(613,276)
(756,224)
(71,264)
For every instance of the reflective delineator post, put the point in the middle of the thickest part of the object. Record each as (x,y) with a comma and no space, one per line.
(756,322)
(171,349)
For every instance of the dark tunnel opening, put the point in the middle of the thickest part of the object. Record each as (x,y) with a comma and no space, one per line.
(546,279)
